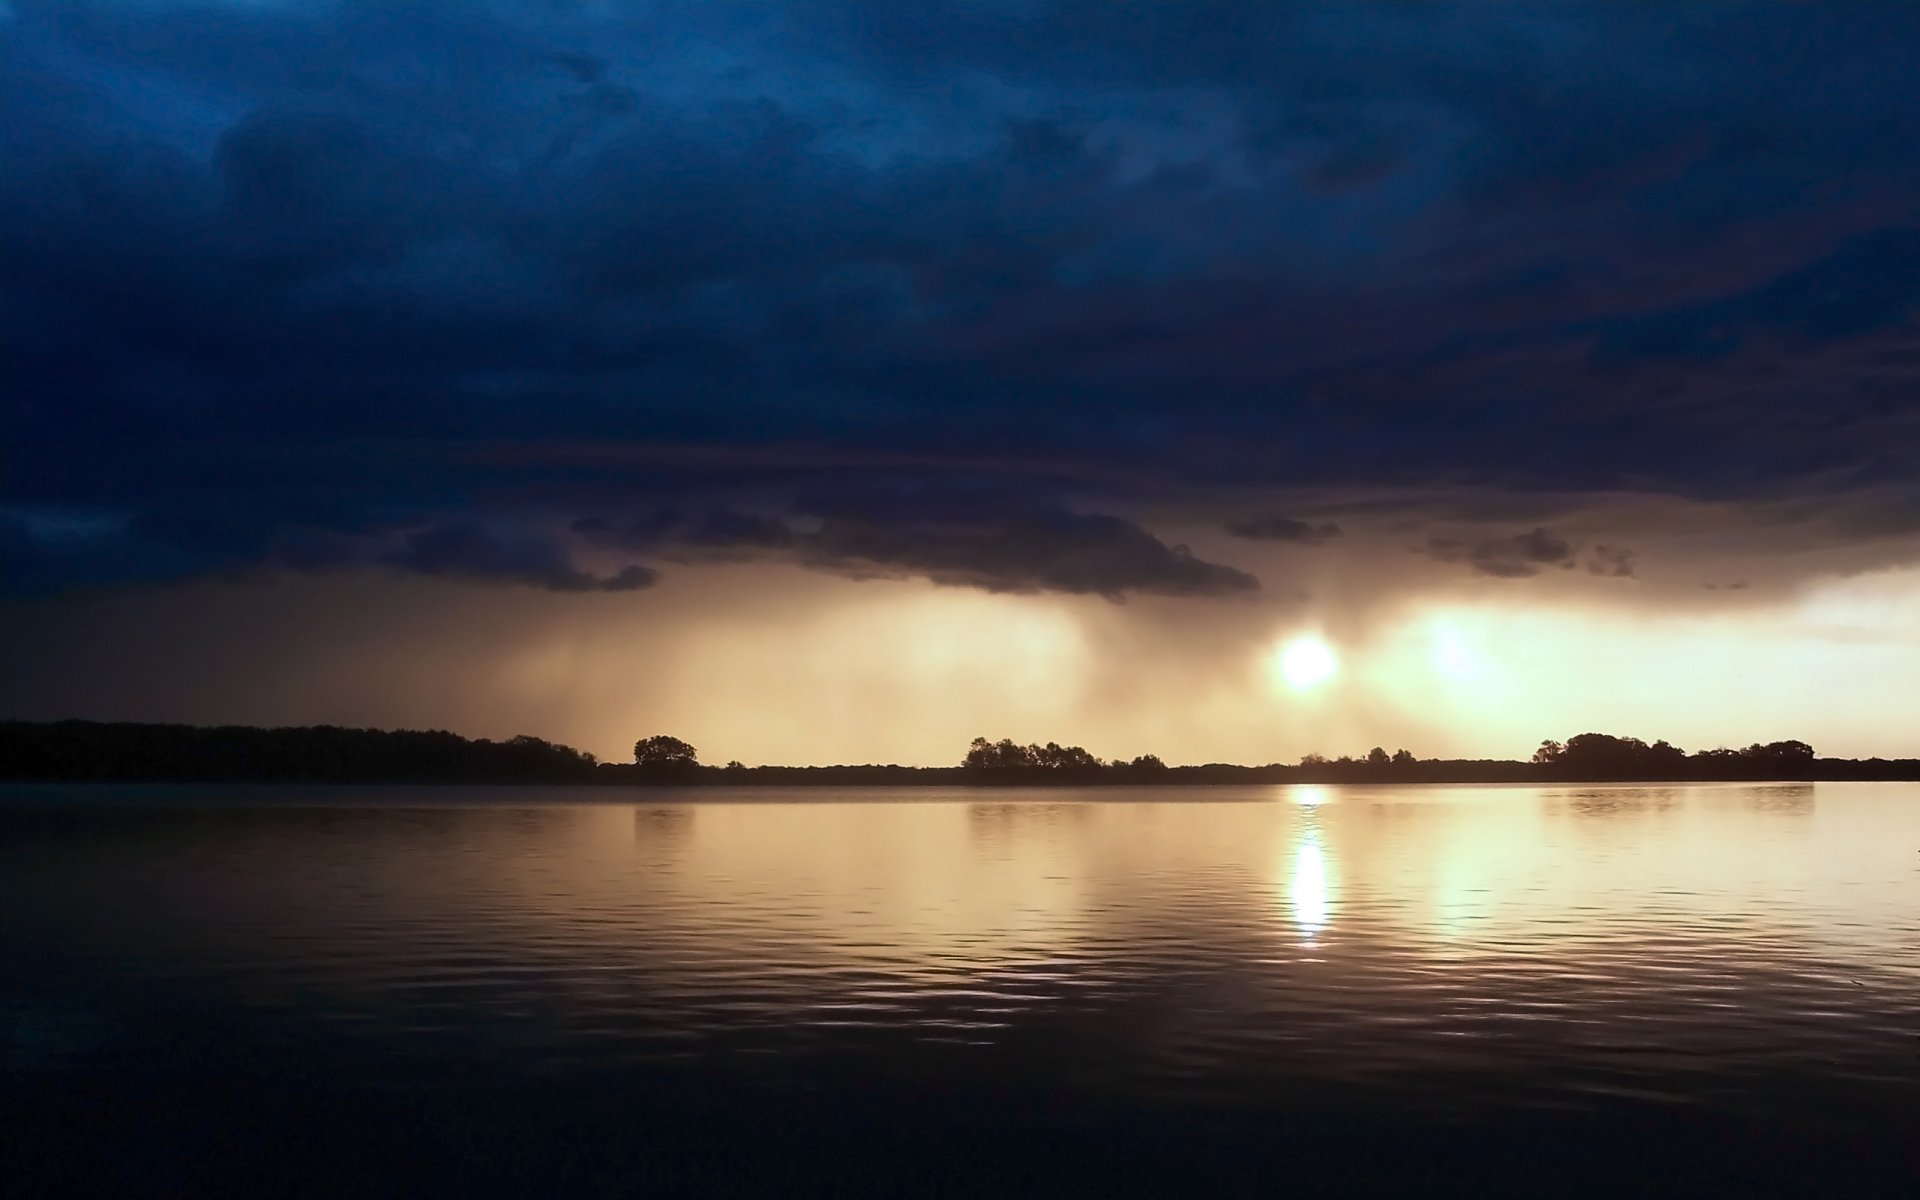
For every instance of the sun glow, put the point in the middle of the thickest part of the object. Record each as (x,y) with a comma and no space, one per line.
(1309,795)
(1307,661)
(1452,655)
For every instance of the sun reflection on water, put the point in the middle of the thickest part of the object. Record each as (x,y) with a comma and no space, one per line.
(1309,795)
(1309,890)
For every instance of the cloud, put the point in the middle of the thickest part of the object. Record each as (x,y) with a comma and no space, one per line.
(1611,562)
(1522,555)
(1056,551)
(706,532)
(464,551)
(585,68)
(19,553)
(1283,529)
(998,542)
(1514,557)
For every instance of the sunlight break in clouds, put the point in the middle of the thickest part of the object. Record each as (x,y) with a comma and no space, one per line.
(1504,674)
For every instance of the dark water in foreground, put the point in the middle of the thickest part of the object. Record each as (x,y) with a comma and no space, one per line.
(1262,991)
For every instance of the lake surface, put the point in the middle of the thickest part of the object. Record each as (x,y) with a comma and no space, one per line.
(1592,989)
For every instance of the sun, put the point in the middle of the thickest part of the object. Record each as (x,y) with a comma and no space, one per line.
(1306,662)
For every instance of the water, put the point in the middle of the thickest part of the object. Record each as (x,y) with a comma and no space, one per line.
(1207,991)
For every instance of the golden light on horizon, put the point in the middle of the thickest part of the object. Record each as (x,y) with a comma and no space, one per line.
(1307,662)
(769,665)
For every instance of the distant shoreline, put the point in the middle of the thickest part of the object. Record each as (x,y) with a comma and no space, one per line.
(706,784)
(57,752)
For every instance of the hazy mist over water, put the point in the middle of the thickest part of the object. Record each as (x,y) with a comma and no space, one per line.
(438,965)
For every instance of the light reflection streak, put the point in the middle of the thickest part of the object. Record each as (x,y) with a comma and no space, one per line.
(1310,889)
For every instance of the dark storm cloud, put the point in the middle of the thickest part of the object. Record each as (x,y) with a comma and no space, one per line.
(1283,529)
(1055,551)
(703,533)
(170,549)
(1002,542)
(23,562)
(464,551)
(270,273)
(989,539)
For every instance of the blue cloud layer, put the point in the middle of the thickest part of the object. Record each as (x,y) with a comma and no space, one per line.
(307,284)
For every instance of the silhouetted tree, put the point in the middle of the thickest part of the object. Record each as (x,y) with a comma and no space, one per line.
(1377,757)
(1055,757)
(1403,758)
(663,751)
(1663,758)
(1603,756)
(1780,760)
(1003,755)
(1006,759)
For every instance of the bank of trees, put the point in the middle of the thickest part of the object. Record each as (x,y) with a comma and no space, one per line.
(97,751)
(1586,756)
(1603,756)
(1009,761)
(127,751)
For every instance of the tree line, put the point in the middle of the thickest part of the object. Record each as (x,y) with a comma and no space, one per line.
(131,752)
(1602,756)
(125,751)
(1586,756)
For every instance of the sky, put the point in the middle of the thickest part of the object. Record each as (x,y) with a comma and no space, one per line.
(839,381)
